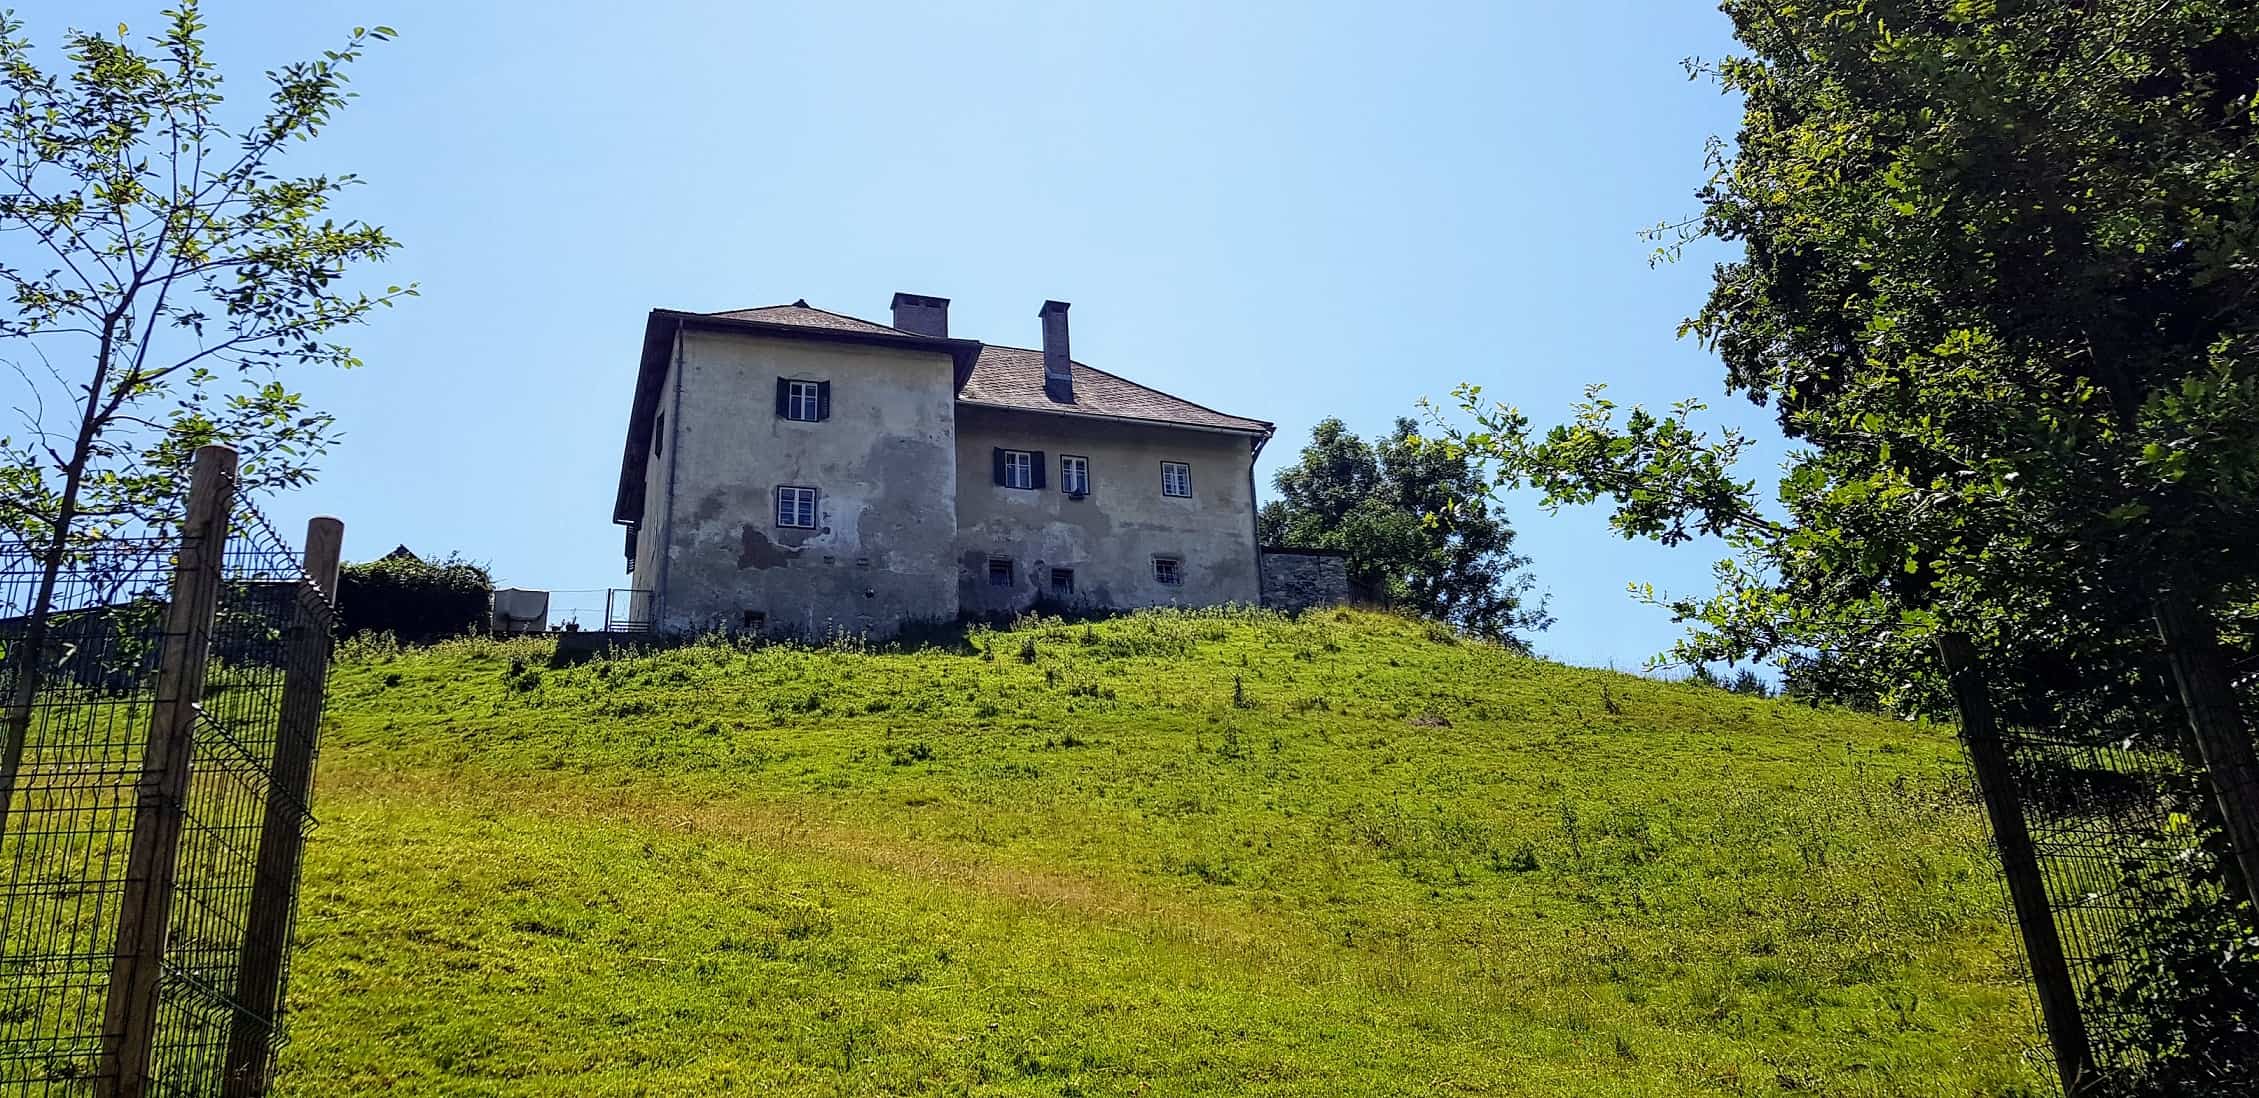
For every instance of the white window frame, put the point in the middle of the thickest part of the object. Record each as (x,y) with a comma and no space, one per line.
(1019,469)
(803,401)
(1074,474)
(1175,570)
(1176,479)
(793,502)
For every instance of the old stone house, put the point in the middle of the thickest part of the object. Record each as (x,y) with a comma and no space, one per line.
(795,471)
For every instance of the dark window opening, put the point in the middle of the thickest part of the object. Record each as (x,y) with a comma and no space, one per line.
(1168,570)
(755,621)
(1062,581)
(999,572)
(659,435)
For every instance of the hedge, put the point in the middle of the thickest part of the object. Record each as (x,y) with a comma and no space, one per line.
(415,600)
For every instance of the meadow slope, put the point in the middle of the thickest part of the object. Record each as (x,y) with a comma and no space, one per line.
(1174,853)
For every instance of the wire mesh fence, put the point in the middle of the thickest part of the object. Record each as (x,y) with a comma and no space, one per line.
(2098,810)
(93,839)
(75,746)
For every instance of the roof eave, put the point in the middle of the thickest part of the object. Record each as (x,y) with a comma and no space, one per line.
(1261,431)
(962,349)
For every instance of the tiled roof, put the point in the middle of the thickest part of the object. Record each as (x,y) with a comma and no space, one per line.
(1012,377)
(808,316)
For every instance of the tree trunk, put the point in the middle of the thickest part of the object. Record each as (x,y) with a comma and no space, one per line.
(30,657)
(2215,721)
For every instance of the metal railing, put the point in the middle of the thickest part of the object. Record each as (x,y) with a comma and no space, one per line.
(627,610)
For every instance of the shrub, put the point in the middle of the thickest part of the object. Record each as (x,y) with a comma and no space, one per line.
(417,601)
(2183,984)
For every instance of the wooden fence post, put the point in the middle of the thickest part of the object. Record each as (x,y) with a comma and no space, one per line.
(2019,862)
(129,1017)
(274,884)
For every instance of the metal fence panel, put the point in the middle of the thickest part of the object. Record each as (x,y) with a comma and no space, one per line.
(241,816)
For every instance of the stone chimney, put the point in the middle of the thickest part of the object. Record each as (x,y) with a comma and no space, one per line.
(1058,363)
(926,316)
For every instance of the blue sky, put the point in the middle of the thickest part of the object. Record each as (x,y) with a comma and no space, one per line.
(1281,210)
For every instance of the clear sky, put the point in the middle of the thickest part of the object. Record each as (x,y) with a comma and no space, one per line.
(1285,211)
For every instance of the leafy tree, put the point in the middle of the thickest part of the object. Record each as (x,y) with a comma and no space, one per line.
(1747,681)
(1996,281)
(163,274)
(1415,522)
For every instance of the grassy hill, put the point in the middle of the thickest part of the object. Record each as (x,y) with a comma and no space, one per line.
(1174,853)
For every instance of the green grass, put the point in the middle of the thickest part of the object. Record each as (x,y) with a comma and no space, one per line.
(1176,853)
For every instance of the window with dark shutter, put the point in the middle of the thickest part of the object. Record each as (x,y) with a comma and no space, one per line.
(806,401)
(1019,468)
(784,397)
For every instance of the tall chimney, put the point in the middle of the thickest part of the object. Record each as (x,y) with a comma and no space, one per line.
(926,316)
(1058,364)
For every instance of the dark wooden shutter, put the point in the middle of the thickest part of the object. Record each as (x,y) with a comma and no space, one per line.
(823,400)
(784,397)
(1000,465)
(1035,469)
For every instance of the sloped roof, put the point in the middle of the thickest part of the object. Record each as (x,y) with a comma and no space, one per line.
(1012,377)
(995,377)
(804,315)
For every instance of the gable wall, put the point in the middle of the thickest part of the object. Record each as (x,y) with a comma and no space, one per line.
(884,466)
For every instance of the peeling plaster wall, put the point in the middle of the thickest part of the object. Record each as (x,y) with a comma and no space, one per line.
(1111,536)
(884,548)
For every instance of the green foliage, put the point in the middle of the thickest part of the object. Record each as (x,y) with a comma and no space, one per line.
(172,274)
(1415,521)
(787,869)
(413,601)
(2184,985)
(1989,278)
(1995,279)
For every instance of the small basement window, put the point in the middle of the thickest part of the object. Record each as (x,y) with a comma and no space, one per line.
(1168,570)
(1176,479)
(754,621)
(1000,571)
(1062,581)
(796,507)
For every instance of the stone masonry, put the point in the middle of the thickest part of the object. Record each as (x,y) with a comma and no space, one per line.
(1295,580)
